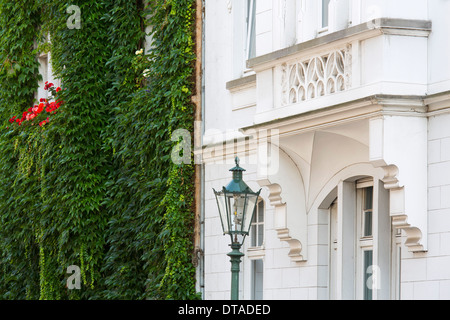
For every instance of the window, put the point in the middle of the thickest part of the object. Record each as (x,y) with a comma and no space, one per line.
(256,252)
(325,13)
(257,279)
(367,212)
(250,47)
(363,248)
(43,70)
(46,71)
(257,226)
(244,35)
(365,235)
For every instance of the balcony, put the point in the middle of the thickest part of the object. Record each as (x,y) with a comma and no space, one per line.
(386,57)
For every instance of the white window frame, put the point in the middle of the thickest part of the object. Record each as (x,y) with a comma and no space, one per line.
(44,71)
(396,261)
(364,243)
(241,38)
(250,17)
(348,278)
(253,283)
(255,253)
(321,29)
(257,224)
(347,274)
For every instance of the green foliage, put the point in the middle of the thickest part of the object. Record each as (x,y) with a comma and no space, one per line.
(96,186)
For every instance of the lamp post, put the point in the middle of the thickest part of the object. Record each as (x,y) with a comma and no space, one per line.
(237,204)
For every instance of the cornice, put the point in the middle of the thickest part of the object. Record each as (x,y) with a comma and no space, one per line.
(375,27)
(364,108)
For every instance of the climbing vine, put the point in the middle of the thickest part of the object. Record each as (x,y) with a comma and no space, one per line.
(92,183)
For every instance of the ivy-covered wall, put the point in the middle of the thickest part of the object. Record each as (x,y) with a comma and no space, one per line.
(95,186)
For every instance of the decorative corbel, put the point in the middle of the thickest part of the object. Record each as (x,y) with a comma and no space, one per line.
(280,224)
(397,210)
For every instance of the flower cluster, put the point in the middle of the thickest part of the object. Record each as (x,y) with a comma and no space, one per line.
(37,110)
(139,64)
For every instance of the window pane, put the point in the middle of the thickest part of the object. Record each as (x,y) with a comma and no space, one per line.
(368,273)
(368,198)
(260,234)
(257,279)
(368,223)
(367,213)
(254,235)
(257,229)
(261,211)
(325,4)
(250,211)
(251,23)
(221,203)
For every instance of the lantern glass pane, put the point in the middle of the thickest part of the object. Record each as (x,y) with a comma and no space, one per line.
(220,197)
(237,204)
(249,211)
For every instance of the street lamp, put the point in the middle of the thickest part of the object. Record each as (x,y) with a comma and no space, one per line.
(237,204)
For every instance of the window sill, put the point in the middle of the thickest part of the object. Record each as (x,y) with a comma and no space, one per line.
(242,83)
(256,253)
(322,31)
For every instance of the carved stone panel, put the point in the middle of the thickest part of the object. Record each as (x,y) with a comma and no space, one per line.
(317,76)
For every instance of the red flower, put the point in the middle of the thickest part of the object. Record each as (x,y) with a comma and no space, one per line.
(33,112)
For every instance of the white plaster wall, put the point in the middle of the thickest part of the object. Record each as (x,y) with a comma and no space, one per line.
(219,68)
(399,62)
(404,9)
(439,46)
(427,275)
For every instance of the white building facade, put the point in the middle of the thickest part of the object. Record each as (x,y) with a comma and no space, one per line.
(340,112)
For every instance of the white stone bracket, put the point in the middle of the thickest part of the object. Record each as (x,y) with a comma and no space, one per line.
(295,246)
(398,145)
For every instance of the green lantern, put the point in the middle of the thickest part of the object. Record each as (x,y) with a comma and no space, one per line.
(237,205)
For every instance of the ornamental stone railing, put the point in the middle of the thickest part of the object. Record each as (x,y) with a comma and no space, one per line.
(316,76)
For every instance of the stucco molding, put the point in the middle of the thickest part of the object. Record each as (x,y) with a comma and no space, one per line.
(414,236)
(388,26)
(283,233)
